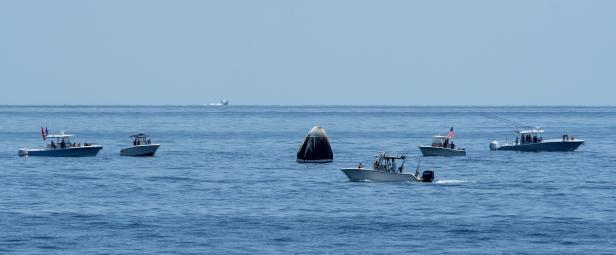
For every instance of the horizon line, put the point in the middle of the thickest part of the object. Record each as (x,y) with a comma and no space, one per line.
(299,105)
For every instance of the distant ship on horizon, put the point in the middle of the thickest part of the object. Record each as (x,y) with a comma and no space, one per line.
(222,102)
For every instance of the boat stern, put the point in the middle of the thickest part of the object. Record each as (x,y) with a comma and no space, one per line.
(494,145)
(22,152)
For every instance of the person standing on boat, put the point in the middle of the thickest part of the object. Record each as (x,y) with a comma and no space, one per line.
(517,141)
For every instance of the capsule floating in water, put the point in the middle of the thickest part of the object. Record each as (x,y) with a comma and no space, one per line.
(316,148)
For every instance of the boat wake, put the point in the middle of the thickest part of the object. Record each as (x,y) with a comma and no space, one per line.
(450,182)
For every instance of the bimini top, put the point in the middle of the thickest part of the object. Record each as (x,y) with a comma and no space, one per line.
(390,156)
(531,131)
(140,135)
(441,137)
(58,135)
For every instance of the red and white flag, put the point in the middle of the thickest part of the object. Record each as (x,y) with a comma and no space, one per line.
(451,134)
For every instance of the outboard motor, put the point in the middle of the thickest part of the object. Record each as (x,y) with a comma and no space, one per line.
(494,145)
(427,176)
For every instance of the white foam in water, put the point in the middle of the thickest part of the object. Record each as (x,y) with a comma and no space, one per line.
(450,181)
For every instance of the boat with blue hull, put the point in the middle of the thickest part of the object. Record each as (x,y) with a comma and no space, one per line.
(61,146)
(142,147)
(442,146)
(529,140)
(428,151)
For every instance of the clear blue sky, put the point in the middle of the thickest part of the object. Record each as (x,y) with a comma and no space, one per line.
(308,52)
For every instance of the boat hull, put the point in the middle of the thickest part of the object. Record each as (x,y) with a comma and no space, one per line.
(84,151)
(557,145)
(140,150)
(357,175)
(439,151)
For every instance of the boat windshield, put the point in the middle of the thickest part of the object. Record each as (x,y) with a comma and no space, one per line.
(387,163)
(140,139)
(61,142)
(529,136)
(443,142)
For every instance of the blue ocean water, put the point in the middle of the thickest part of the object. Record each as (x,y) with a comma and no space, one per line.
(225,180)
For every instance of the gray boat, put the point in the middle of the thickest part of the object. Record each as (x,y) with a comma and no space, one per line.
(442,146)
(385,170)
(61,146)
(142,146)
(530,140)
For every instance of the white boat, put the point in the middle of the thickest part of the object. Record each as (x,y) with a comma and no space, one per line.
(61,146)
(142,146)
(385,170)
(222,102)
(442,146)
(530,140)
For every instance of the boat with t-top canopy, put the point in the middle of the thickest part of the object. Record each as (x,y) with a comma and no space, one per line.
(530,139)
(142,146)
(60,145)
(384,169)
(442,146)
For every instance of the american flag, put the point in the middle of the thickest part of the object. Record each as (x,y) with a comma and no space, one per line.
(451,133)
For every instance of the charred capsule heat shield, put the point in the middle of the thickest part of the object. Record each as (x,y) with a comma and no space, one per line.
(316,148)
